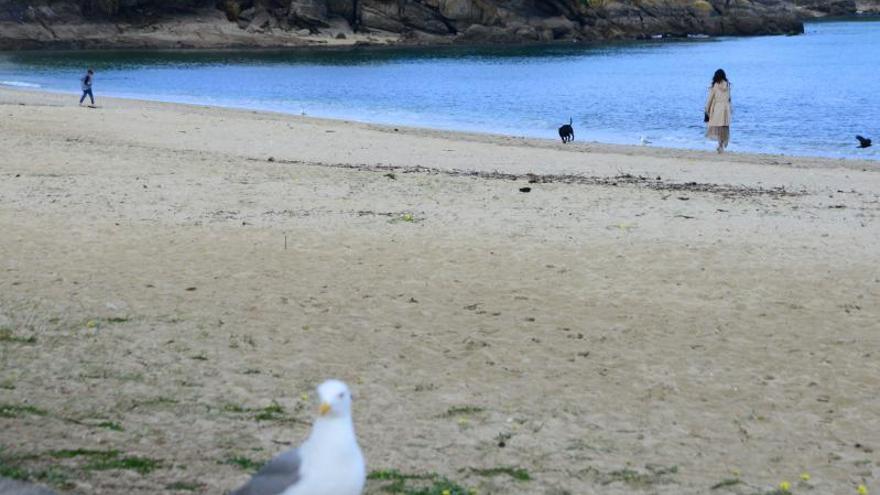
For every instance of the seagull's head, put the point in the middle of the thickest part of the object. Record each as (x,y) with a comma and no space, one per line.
(335,399)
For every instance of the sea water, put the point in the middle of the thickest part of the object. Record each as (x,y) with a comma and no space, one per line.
(800,95)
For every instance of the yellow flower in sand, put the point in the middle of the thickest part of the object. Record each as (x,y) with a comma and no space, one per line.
(785,486)
(805,476)
(862,489)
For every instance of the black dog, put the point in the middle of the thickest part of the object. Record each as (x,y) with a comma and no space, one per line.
(566,132)
(863,142)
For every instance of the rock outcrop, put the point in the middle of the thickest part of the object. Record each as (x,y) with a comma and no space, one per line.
(838,8)
(867,7)
(263,23)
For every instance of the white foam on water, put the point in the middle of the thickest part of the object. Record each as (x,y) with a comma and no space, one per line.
(19,84)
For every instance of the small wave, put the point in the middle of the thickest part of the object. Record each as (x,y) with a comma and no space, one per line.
(19,84)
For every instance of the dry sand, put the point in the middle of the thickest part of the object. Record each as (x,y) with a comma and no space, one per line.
(615,334)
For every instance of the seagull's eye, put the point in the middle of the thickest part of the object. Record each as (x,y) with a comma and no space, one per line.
(341,394)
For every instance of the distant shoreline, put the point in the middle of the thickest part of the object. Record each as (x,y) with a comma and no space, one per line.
(324,43)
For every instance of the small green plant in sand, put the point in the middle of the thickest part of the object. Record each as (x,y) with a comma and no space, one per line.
(776,491)
(91,372)
(110,425)
(462,411)
(655,475)
(234,408)
(13,472)
(102,460)
(142,465)
(244,463)
(7,335)
(272,412)
(186,486)
(16,411)
(156,401)
(91,453)
(725,483)
(54,475)
(98,322)
(516,473)
(405,218)
(393,481)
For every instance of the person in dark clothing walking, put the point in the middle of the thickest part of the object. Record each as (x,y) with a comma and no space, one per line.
(87,86)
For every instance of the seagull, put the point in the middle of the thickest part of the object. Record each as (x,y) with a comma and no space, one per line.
(329,462)
(10,487)
(644,141)
(864,142)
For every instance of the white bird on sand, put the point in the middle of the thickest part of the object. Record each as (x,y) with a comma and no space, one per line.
(329,462)
(14,487)
(644,141)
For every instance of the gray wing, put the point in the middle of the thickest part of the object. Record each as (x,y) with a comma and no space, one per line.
(275,477)
(12,487)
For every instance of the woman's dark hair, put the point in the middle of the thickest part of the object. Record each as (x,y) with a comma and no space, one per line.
(719,76)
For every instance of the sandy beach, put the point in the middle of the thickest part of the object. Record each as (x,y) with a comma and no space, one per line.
(175,280)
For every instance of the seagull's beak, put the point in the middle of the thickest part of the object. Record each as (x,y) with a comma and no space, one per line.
(324,408)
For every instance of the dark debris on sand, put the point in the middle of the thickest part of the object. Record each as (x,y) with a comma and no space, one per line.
(655,183)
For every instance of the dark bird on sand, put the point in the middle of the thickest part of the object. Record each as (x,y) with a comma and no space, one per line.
(863,142)
(566,132)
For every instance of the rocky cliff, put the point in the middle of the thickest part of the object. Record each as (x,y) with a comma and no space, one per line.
(823,8)
(265,23)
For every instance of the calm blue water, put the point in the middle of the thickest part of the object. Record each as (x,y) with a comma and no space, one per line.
(807,94)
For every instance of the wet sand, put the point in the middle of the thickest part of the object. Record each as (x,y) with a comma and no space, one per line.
(174,281)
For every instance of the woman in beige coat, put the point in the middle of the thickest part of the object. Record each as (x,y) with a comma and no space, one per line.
(718,110)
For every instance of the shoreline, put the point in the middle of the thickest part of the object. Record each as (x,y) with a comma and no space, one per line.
(382,41)
(176,279)
(735,156)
